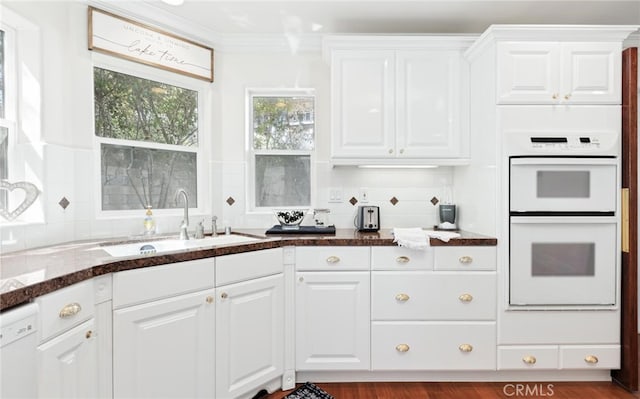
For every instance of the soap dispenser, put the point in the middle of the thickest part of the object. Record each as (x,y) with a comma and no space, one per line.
(149,223)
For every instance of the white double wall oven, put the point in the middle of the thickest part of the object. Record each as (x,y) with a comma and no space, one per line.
(563,218)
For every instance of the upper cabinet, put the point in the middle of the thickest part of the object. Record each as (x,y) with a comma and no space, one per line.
(548,64)
(558,73)
(398,100)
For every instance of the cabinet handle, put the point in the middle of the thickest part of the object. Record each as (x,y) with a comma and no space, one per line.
(301,279)
(88,334)
(529,360)
(567,96)
(70,310)
(402,297)
(591,359)
(224,295)
(209,299)
(403,259)
(555,96)
(402,348)
(390,150)
(466,298)
(465,260)
(333,259)
(402,151)
(465,348)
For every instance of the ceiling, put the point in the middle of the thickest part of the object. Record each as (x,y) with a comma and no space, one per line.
(384,16)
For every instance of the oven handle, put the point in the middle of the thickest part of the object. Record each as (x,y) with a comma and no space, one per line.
(563,161)
(563,219)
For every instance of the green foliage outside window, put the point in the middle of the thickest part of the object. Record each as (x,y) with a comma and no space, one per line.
(131,108)
(283,123)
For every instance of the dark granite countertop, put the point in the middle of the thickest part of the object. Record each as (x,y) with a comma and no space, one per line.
(25,275)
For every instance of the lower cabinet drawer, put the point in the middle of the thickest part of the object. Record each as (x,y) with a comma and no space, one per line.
(590,356)
(65,308)
(534,357)
(416,295)
(465,258)
(433,346)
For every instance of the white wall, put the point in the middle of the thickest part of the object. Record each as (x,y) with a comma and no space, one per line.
(69,167)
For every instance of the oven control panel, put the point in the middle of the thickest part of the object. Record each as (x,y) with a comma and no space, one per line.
(540,144)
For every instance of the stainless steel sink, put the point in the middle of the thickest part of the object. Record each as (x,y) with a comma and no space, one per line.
(170,245)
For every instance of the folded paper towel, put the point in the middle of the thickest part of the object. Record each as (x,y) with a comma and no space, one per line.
(416,238)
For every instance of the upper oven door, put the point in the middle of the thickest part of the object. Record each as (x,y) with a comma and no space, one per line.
(562,185)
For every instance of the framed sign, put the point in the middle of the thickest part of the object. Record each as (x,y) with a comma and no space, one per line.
(125,38)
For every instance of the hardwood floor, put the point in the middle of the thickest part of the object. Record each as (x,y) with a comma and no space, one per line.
(471,390)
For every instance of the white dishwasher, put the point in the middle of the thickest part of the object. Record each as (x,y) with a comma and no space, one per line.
(18,342)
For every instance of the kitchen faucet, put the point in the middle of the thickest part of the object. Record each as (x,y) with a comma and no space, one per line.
(184,235)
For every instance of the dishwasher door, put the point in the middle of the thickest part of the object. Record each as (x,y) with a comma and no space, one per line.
(18,342)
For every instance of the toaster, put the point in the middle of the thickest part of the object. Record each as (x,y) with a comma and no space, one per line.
(368,218)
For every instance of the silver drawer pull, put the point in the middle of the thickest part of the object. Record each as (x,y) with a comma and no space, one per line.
(70,310)
(529,359)
(465,348)
(403,259)
(333,259)
(591,359)
(402,348)
(465,260)
(402,297)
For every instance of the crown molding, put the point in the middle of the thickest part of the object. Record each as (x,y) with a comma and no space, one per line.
(575,33)
(220,42)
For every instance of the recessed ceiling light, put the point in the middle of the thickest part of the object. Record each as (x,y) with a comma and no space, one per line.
(173,2)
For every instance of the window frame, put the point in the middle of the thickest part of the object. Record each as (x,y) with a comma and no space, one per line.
(252,153)
(201,150)
(23,110)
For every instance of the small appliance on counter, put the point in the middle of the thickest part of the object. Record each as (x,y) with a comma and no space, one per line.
(368,218)
(447,214)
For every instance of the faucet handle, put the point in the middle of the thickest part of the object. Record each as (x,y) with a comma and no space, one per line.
(200,230)
(214,226)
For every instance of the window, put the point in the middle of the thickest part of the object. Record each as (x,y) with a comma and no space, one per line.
(7,112)
(147,133)
(4,131)
(281,133)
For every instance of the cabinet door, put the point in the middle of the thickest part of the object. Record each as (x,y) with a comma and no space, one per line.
(249,335)
(528,73)
(591,73)
(165,348)
(362,85)
(68,364)
(332,321)
(428,103)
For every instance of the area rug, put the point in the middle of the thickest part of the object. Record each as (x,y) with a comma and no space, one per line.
(308,391)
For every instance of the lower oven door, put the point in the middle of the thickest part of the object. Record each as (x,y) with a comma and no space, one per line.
(562,261)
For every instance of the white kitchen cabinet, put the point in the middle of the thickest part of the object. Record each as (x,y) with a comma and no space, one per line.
(415,295)
(68,364)
(568,357)
(363,120)
(427,319)
(332,320)
(398,100)
(249,335)
(558,73)
(165,348)
(67,356)
(404,345)
(428,104)
(164,332)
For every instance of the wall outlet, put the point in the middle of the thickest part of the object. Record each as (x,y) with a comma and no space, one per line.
(364,195)
(335,195)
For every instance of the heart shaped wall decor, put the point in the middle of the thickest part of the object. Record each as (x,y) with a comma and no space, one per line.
(31,194)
